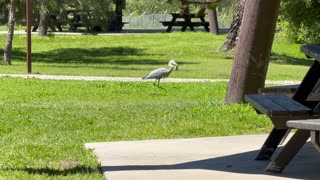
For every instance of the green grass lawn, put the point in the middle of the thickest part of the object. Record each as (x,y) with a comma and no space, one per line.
(45,123)
(135,55)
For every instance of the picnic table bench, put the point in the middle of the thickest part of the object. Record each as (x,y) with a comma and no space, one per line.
(185,20)
(76,21)
(280,108)
(54,21)
(312,125)
(287,90)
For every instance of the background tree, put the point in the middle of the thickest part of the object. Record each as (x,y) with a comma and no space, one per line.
(44,18)
(11,21)
(253,49)
(152,6)
(4,11)
(232,37)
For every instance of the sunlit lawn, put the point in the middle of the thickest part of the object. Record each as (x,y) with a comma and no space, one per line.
(44,124)
(133,55)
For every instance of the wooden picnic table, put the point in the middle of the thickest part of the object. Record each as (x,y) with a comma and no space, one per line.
(185,20)
(280,108)
(310,97)
(53,22)
(76,21)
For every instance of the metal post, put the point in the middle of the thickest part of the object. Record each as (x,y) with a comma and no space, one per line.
(28,20)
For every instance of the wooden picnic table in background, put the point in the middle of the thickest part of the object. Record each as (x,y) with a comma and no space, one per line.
(185,20)
(53,23)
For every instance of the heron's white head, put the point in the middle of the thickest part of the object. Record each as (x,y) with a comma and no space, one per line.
(172,63)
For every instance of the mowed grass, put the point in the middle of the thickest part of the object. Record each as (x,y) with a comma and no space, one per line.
(45,123)
(134,55)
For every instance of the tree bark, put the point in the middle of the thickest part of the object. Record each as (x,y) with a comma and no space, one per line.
(232,37)
(43,22)
(213,21)
(253,49)
(11,21)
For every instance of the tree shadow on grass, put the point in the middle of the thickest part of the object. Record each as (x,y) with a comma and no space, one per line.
(57,172)
(106,55)
(85,55)
(285,59)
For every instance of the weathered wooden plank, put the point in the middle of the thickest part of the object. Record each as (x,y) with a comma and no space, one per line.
(309,124)
(313,125)
(311,50)
(315,93)
(306,86)
(315,139)
(288,89)
(293,107)
(266,105)
(181,23)
(277,105)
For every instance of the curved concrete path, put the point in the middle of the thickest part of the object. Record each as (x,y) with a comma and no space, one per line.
(212,158)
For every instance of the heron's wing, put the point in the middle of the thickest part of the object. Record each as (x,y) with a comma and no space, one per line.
(156,74)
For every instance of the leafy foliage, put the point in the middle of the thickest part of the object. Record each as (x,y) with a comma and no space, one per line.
(226,7)
(92,12)
(299,20)
(151,6)
(102,9)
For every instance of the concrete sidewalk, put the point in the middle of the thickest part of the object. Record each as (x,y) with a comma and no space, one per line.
(226,158)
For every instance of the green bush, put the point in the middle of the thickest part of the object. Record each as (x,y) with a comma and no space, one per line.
(299,20)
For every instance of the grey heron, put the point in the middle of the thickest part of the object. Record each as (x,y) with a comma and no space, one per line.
(161,72)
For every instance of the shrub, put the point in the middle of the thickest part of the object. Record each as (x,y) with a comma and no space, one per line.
(299,20)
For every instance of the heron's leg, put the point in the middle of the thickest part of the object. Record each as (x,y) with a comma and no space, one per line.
(158,82)
(154,83)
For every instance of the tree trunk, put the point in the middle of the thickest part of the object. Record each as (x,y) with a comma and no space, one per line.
(8,45)
(43,22)
(253,49)
(231,40)
(213,21)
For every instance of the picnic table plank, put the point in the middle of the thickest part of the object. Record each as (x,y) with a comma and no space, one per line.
(288,90)
(311,51)
(315,93)
(276,105)
(309,124)
(307,85)
(293,107)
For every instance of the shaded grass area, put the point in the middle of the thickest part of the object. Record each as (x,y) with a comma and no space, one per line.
(126,55)
(134,55)
(44,124)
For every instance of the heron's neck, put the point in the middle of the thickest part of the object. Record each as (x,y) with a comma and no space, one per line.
(170,70)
